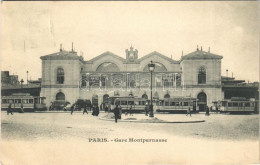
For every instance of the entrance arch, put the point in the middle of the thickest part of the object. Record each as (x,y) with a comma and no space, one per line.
(202,101)
(60,96)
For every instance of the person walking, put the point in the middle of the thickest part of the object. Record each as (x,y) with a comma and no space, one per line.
(188,112)
(72,109)
(116,113)
(207,111)
(106,108)
(21,111)
(85,109)
(146,109)
(130,111)
(97,111)
(9,110)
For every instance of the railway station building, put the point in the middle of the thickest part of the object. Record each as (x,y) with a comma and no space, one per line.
(67,76)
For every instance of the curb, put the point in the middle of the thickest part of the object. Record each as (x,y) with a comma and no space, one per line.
(138,121)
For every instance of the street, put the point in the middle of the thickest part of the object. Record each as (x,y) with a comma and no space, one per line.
(61,138)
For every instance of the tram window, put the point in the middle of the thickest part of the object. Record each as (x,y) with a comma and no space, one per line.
(230,104)
(181,103)
(10,100)
(240,104)
(117,102)
(30,101)
(235,104)
(137,102)
(17,100)
(4,100)
(42,101)
(123,102)
(252,104)
(130,102)
(172,103)
(185,103)
(177,104)
(247,104)
(25,101)
(224,103)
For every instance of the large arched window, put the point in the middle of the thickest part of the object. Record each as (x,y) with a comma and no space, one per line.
(202,76)
(60,96)
(159,67)
(107,67)
(60,76)
(167,96)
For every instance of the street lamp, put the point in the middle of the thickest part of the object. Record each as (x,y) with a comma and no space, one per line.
(151,68)
(22,83)
(27,76)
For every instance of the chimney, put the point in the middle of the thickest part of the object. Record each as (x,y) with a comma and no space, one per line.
(197,47)
(201,48)
(60,47)
(72,47)
(209,50)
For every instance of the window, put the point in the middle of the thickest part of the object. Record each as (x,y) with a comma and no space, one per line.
(202,76)
(60,96)
(186,104)
(30,101)
(25,101)
(172,103)
(130,102)
(60,76)
(230,104)
(17,100)
(4,101)
(10,100)
(167,103)
(235,104)
(247,104)
(224,104)
(123,102)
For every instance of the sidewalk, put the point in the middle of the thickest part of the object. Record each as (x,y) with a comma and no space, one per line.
(158,118)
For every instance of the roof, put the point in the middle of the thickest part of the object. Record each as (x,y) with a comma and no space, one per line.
(62,55)
(157,54)
(107,53)
(198,54)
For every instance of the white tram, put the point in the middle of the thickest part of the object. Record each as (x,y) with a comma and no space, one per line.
(138,104)
(177,104)
(239,104)
(30,103)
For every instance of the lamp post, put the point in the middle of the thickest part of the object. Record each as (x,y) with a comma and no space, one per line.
(151,68)
(22,83)
(27,76)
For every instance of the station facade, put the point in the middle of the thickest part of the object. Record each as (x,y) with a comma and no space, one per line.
(67,76)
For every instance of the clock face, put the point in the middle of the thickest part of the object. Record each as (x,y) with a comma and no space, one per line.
(131,56)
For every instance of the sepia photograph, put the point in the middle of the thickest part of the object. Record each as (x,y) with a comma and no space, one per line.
(129,82)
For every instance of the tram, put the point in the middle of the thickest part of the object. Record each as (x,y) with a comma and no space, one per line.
(177,104)
(138,104)
(30,103)
(239,104)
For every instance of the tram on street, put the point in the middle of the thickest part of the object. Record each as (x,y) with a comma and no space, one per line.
(177,104)
(239,104)
(30,103)
(138,104)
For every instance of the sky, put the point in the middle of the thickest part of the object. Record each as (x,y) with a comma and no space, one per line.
(33,29)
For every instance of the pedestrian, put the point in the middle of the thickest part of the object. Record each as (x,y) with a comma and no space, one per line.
(21,111)
(9,110)
(85,109)
(94,111)
(130,111)
(106,108)
(72,109)
(217,109)
(120,112)
(97,111)
(116,113)
(188,112)
(146,109)
(207,111)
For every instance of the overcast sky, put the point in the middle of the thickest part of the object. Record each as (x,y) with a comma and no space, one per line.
(33,29)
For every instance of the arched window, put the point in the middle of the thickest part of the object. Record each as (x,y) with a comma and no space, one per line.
(144,96)
(167,96)
(202,76)
(60,96)
(60,76)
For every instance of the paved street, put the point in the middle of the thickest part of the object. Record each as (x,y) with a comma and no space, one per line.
(61,138)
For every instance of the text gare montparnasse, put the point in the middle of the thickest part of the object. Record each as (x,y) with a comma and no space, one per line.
(118,140)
